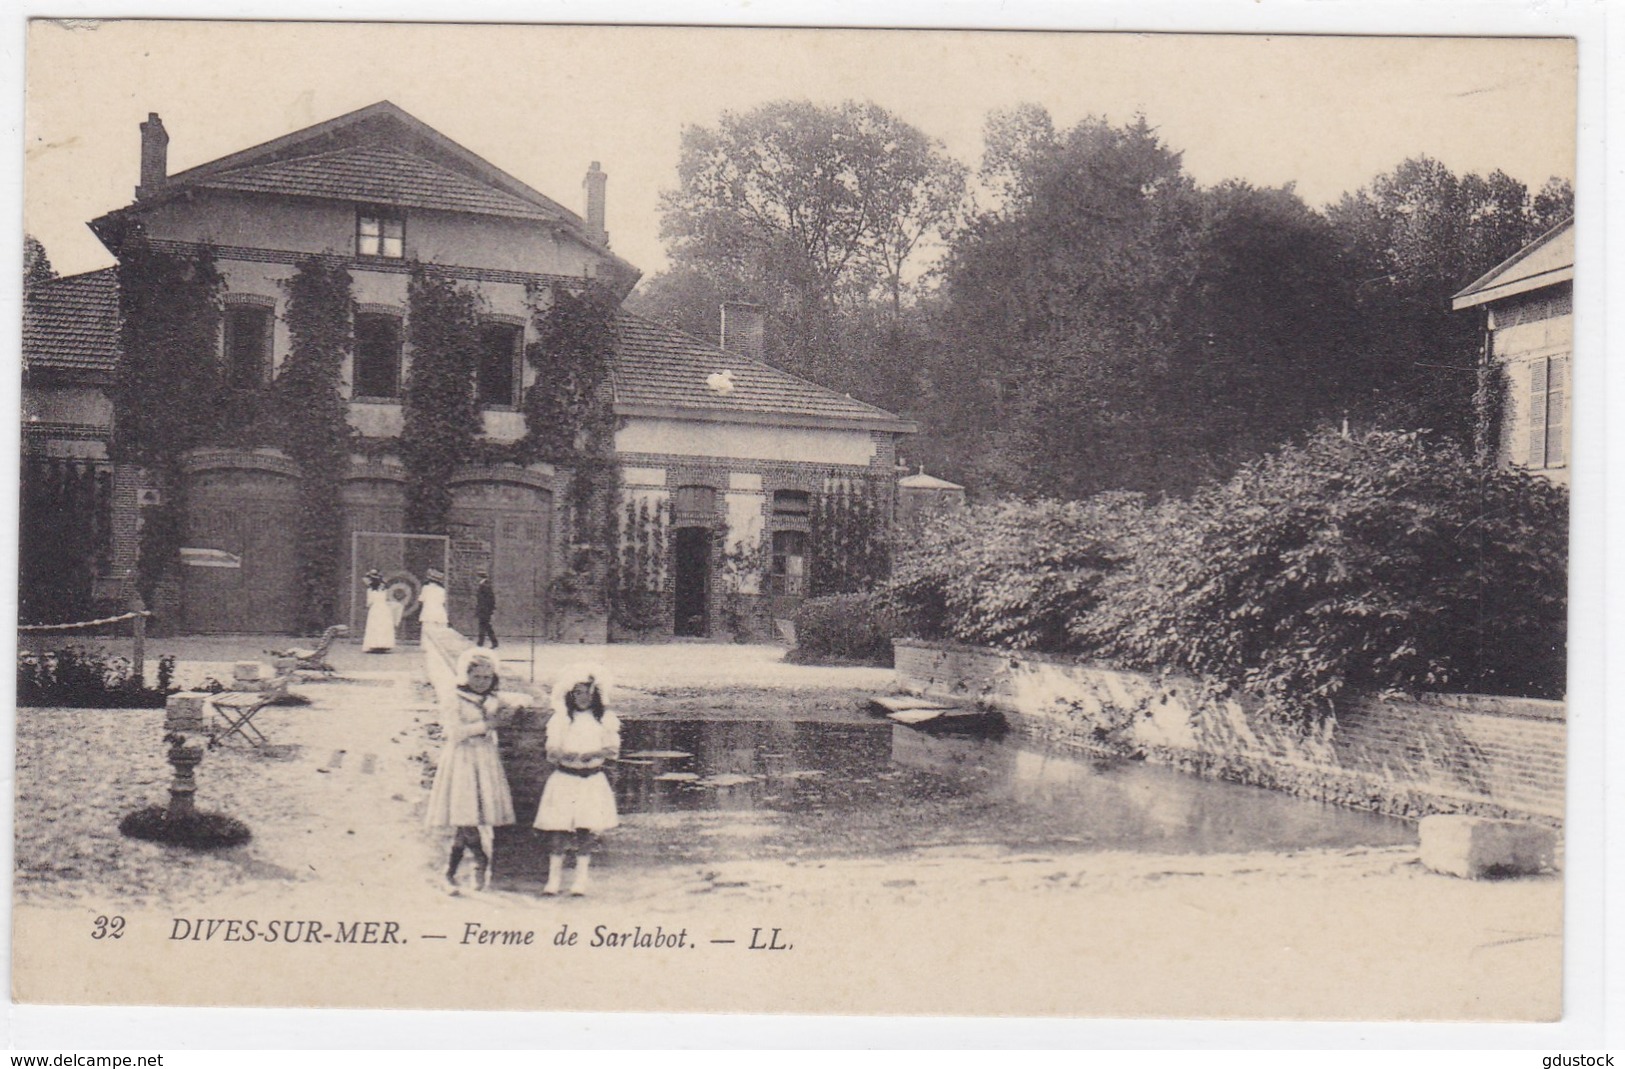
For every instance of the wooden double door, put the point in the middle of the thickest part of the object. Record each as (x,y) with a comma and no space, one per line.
(240,563)
(507,530)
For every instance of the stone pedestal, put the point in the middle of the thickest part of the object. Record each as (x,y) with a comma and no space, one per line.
(1476,847)
(184,716)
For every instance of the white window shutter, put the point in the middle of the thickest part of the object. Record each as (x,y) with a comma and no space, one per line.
(1537,413)
(1557,412)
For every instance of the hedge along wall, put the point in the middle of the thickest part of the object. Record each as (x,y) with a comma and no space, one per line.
(1500,757)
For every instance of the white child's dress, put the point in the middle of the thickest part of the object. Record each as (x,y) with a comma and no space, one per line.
(470,787)
(380,633)
(433,597)
(572,801)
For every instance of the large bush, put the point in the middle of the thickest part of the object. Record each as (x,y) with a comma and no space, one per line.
(1023,575)
(843,627)
(1376,562)
(77,677)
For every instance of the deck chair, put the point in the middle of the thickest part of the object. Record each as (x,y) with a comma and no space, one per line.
(312,660)
(237,708)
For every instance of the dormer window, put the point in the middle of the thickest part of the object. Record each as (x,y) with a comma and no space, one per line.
(380,232)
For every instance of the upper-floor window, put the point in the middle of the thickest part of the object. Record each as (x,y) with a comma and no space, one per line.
(792,503)
(377,371)
(380,232)
(248,346)
(501,349)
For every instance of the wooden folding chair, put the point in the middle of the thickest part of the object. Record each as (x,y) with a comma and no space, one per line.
(237,708)
(312,660)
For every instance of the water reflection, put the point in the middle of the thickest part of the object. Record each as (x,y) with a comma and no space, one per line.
(839,788)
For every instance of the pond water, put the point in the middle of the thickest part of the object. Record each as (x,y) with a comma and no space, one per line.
(701,791)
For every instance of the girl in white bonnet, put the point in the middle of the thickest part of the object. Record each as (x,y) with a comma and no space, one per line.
(577,802)
(470,791)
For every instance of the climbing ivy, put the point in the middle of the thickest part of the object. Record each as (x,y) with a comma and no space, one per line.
(570,419)
(170,391)
(315,429)
(848,550)
(638,572)
(440,415)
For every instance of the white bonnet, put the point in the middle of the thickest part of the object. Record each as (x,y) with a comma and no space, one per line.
(469,656)
(580,672)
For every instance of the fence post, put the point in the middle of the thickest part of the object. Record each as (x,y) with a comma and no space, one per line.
(138,671)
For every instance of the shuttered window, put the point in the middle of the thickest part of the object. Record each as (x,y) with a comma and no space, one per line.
(1557,412)
(1537,414)
(1548,412)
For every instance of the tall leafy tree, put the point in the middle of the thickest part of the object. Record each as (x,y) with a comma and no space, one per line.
(36,265)
(809,211)
(1417,235)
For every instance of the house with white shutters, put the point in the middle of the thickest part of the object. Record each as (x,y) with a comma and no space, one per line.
(1528,306)
(729,455)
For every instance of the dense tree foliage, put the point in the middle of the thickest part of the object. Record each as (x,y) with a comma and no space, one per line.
(36,265)
(808,212)
(1101,322)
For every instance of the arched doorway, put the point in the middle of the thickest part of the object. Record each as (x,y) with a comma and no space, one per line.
(239,561)
(501,521)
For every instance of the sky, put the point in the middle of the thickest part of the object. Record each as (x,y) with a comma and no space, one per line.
(1325,113)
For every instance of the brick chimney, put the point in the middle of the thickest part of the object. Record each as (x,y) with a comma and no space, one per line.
(743,328)
(154,156)
(595,182)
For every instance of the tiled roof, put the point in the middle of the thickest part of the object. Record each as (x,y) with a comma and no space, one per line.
(377,174)
(660,367)
(73,323)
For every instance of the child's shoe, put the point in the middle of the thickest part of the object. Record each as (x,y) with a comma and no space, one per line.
(482,877)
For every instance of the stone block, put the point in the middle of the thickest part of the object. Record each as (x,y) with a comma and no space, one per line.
(184,711)
(284,665)
(247,670)
(1477,847)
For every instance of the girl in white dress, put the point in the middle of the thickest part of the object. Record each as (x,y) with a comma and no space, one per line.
(380,634)
(577,802)
(470,791)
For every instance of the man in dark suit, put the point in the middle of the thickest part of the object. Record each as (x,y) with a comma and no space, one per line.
(485,606)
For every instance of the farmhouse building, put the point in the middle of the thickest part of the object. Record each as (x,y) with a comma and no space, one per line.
(725,463)
(1528,303)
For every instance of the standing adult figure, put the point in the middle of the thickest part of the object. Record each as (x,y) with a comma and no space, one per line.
(380,634)
(432,598)
(485,606)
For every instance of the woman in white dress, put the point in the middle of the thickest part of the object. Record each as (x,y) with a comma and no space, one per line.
(433,599)
(380,634)
(578,802)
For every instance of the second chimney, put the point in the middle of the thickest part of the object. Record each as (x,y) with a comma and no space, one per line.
(595,182)
(154,156)
(743,329)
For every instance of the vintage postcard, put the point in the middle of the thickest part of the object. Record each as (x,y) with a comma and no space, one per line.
(579,518)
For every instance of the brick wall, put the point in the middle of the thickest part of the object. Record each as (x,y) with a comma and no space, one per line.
(809,475)
(1445,754)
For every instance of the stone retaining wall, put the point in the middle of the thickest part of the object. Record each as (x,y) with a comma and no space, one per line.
(1447,754)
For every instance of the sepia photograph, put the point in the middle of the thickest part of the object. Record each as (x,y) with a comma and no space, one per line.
(698,519)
